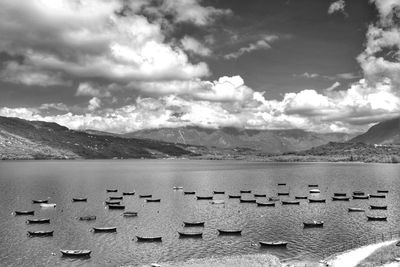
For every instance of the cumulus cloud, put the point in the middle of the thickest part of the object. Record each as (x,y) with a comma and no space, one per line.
(94,103)
(192,45)
(89,89)
(263,43)
(333,86)
(337,6)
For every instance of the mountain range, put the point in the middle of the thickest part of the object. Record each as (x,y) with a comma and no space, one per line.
(383,133)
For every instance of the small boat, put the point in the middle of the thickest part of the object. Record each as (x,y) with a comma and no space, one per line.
(149,238)
(204,197)
(145,196)
(116,207)
(38,221)
(313,224)
(104,229)
(382,191)
(283,193)
(356,210)
(153,200)
(360,197)
(377,196)
(300,197)
(312,185)
(260,195)
(218,201)
(339,194)
(40,233)
(377,207)
(192,235)
(219,192)
(281,184)
(273,243)
(107,202)
(128,193)
(190,224)
(290,202)
(24,212)
(40,201)
(358,193)
(316,200)
(48,205)
(340,198)
(177,187)
(376,218)
(79,199)
(87,218)
(230,232)
(130,214)
(111,190)
(189,193)
(75,252)
(273,199)
(234,196)
(245,191)
(315,191)
(263,204)
(116,198)
(248,200)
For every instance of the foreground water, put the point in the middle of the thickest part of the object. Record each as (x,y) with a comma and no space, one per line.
(23,181)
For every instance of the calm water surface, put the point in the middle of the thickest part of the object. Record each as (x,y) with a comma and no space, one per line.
(22,181)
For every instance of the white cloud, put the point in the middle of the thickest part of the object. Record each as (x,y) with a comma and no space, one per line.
(263,43)
(192,45)
(309,75)
(89,89)
(333,86)
(337,6)
(94,103)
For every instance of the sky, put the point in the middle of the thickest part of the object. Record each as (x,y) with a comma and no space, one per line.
(126,65)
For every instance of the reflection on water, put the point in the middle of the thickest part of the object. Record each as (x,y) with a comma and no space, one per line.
(61,181)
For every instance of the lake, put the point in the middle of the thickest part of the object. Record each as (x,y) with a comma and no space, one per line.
(23,181)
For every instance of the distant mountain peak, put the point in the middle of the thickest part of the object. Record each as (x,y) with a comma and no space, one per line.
(386,132)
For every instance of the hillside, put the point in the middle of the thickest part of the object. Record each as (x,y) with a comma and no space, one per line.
(386,132)
(268,141)
(22,139)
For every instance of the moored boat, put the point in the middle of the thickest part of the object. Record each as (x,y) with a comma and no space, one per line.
(130,214)
(263,204)
(260,195)
(104,229)
(273,243)
(339,194)
(283,193)
(40,233)
(153,200)
(234,196)
(149,238)
(40,201)
(248,200)
(76,252)
(313,224)
(116,197)
(204,197)
(382,191)
(230,231)
(145,196)
(116,207)
(177,187)
(360,197)
(356,210)
(48,205)
(79,199)
(245,191)
(189,224)
(313,200)
(312,185)
(340,198)
(358,193)
(315,191)
(219,192)
(38,221)
(108,202)
(190,234)
(376,218)
(128,193)
(24,212)
(300,197)
(377,196)
(281,184)
(378,207)
(189,193)
(290,202)
(111,190)
(87,218)
(218,201)
(273,199)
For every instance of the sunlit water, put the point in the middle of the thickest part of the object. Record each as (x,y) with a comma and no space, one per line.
(23,181)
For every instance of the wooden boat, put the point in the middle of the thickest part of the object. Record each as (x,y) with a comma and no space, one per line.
(281,184)
(273,243)
(24,212)
(313,224)
(116,198)
(149,238)
(204,197)
(260,195)
(356,210)
(190,235)
(111,190)
(340,198)
(358,193)
(145,196)
(339,194)
(248,200)
(153,200)
(130,214)
(263,204)
(376,218)
(245,191)
(300,197)
(128,193)
(191,224)
(316,200)
(290,202)
(283,193)
(312,185)
(189,193)
(377,207)
(234,196)
(177,187)
(40,233)
(218,201)
(377,196)
(116,207)
(79,199)
(360,197)
(273,199)
(75,252)
(230,232)
(383,191)
(40,201)
(87,218)
(107,202)
(315,191)
(104,229)
(48,205)
(219,192)
(38,221)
